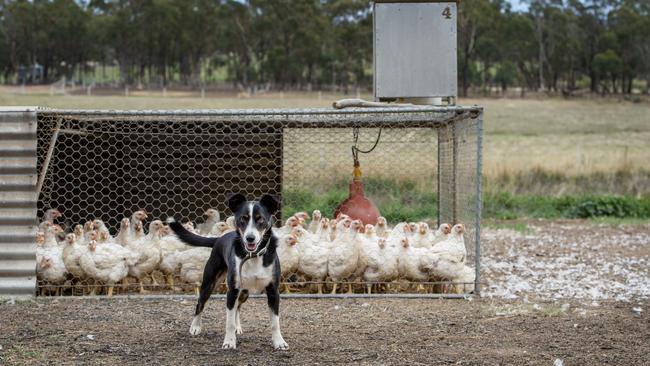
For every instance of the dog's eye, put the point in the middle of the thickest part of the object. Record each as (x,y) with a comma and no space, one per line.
(260,220)
(244,219)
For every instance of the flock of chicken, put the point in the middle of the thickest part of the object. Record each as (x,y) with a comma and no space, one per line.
(340,249)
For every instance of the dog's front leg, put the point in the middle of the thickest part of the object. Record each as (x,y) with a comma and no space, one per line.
(273,299)
(230,340)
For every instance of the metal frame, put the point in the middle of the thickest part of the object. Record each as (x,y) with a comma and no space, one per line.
(479,203)
(261,296)
(416,116)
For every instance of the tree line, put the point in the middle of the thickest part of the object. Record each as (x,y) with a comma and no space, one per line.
(555,45)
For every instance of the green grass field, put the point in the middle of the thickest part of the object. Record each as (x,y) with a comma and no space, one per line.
(540,155)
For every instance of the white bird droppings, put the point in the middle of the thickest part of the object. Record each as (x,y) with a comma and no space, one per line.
(567,261)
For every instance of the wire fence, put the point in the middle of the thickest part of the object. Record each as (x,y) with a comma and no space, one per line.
(107,165)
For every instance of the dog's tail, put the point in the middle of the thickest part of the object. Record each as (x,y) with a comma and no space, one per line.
(188,237)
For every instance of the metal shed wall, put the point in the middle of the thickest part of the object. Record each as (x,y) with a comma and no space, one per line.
(18,199)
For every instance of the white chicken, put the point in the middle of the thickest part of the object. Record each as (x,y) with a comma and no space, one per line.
(79,234)
(288,254)
(50,236)
(107,263)
(123,237)
(49,261)
(137,232)
(422,236)
(315,253)
(212,217)
(71,255)
(344,254)
(464,281)
(48,218)
(314,225)
(40,238)
(409,262)
(441,234)
(448,256)
(365,243)
(148,249)
(104,233)
(382,228)
(382,265)
(170,245)
(286,229)
(302,218)
(230,221)
(219,229)
(137,218)
(192,262)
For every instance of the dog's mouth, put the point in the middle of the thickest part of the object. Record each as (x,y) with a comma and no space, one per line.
(250,246)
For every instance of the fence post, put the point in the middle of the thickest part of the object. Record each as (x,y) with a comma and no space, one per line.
(126,91)
(164,91)
(202,93)
(88,90)
(479,204)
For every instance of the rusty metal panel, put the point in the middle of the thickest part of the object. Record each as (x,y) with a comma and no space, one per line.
(415,49)
(17,201)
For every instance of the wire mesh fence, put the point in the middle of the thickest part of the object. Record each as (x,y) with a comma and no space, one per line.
(107,165)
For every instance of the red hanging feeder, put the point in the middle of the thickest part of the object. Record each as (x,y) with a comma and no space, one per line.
(357,206)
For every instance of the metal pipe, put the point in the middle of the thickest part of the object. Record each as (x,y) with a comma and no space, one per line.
(284,296)
(454,174)
(479,203)
(262,111)
(439,178)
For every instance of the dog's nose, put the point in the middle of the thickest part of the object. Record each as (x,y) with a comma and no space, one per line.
(250,238)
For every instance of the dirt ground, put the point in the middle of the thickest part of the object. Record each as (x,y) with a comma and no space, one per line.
(325,331)
(573,291)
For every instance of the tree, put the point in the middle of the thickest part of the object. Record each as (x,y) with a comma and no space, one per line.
(475,18)
(608,64)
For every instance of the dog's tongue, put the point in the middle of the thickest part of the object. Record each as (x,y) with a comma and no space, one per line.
(250,246)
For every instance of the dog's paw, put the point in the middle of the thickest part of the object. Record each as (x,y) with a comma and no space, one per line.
(280,345)
(195,328)
(229,344)
(239,331)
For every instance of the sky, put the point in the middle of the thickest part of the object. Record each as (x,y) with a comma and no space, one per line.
(518,5)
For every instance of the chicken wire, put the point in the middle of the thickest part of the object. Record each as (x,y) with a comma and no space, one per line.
(107,164)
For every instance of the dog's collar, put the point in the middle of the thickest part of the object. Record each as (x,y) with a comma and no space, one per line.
(260,252)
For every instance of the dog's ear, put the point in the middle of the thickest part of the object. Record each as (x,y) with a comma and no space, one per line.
(270,203)
(235,200)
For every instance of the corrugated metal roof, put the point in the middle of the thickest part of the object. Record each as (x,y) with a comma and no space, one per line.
(17,201)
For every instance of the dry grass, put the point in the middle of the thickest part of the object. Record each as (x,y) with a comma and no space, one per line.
(574,137)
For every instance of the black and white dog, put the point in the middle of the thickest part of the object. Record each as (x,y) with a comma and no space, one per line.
(247,256)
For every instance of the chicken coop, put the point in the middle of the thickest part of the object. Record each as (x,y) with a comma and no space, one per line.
(94,164)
